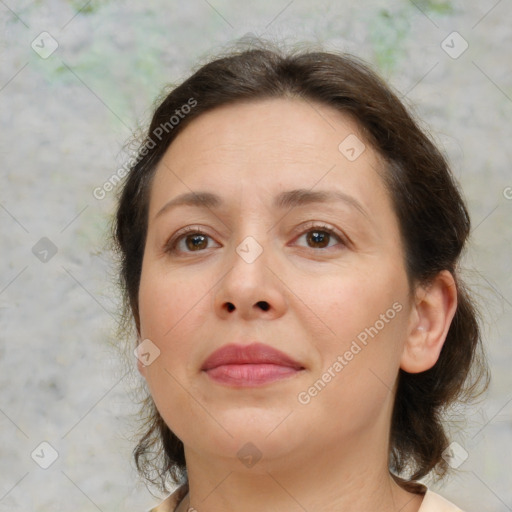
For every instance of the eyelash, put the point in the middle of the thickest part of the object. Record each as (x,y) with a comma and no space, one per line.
(171,244)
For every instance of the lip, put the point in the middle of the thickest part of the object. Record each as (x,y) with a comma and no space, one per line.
(249,365)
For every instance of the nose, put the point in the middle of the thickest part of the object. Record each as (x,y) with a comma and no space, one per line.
(250,289)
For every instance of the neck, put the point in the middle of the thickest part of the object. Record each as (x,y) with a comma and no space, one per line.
(341,482)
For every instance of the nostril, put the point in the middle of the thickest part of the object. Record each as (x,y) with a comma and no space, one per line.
(263,305)
(230,306)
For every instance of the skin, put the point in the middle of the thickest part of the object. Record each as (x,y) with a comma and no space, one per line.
(331,453)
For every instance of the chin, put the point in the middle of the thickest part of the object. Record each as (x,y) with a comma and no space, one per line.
(253,450)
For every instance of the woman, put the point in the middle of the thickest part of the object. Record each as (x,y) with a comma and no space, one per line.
(289,241)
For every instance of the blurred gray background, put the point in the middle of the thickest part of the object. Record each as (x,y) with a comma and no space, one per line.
(76,80)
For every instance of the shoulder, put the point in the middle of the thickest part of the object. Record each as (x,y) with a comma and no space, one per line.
(172,501)
(433,502)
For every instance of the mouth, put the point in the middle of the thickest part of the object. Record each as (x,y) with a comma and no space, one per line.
(249,365)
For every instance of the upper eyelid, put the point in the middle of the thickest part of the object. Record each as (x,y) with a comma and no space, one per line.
(319,225)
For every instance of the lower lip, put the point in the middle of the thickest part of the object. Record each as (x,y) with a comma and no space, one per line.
(249,375)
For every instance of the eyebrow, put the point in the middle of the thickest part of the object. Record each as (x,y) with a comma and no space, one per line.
(285,200)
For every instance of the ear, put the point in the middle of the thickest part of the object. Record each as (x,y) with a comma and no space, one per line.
(140,366)
(431,317)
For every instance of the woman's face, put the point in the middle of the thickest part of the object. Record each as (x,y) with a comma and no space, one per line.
(317,274)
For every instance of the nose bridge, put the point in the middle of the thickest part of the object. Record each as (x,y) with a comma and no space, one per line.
(251,238)
(249,289)
(249,260)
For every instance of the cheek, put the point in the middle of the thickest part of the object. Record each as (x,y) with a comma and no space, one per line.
(171,314)
(168,303)
(365,319)
(353,302)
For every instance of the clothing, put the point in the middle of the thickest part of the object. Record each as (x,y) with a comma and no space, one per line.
(432,502)
(172,501)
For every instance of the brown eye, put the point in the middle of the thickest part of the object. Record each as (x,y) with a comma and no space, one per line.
(190,240)
(196,241)
(321,237)
(318,239)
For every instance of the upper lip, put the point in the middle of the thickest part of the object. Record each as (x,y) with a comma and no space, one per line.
(255,353)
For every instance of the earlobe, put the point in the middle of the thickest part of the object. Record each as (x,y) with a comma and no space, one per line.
(431,318)
(140,366)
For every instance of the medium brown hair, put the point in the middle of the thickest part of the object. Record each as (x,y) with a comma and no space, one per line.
(433,219)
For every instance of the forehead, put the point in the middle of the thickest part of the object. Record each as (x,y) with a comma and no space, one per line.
(266,145)
(276,124)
